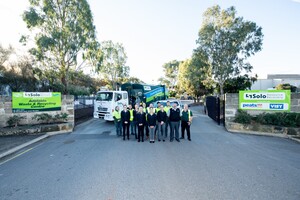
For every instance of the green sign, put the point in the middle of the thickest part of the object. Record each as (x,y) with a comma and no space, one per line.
(277,100)
(36,101)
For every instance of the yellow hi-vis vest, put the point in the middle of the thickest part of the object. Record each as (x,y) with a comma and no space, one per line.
(131,115)
(167,108)
(145,111)
(157,109)
(117,114)
(189,114)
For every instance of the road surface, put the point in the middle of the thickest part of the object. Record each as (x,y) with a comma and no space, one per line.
(93,163)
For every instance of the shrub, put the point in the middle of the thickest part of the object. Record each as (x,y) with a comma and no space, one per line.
(286,86)
(15,120)
(61,117)
(242,117)
(44,117)
(279,119)
(271,118)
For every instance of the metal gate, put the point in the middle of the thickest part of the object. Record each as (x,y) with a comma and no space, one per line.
(215,109)
(84,108)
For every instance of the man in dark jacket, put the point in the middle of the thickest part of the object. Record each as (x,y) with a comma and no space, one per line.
(161,123)
(125,117)
(140,122)
(174,117)
(186,120)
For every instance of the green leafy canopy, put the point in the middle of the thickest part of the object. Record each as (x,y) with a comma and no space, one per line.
(64,33)
(228,41)
(114,62)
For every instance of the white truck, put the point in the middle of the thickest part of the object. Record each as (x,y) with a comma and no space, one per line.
(106,101)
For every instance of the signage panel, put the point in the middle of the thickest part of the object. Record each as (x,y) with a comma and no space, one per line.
(36,101)
(278,100)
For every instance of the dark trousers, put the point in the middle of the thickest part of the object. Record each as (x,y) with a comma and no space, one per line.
(185,126)
(174,130)
(126,128)
(135,129)
(168,125)
(118,125)
(140,133)
(147,129)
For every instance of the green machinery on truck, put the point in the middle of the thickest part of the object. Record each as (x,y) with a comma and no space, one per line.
(139,93)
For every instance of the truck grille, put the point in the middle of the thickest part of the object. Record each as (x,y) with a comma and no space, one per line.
(101,109)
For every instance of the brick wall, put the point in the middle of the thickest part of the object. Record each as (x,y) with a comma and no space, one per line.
(67,106)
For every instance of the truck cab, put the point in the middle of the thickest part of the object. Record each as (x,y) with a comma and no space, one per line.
(106,101)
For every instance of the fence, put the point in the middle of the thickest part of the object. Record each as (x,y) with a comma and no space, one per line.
(83,102)
(216,109)
(84,108)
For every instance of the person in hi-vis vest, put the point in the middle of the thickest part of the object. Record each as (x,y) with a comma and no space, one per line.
(117,120)
(186,121)
(132,122)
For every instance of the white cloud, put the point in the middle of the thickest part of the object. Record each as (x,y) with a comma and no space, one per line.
(297,1)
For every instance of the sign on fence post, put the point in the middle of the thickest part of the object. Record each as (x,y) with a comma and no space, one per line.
(268,100)
(36,101)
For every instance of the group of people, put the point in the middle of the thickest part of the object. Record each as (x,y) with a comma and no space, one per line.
(153,122)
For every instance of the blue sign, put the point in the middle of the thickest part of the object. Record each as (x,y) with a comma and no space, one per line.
(276,106)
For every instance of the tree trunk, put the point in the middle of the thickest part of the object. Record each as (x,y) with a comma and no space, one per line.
(63,78)
(65,84)
(221,89)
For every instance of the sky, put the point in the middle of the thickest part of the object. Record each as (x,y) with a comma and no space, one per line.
(155,32)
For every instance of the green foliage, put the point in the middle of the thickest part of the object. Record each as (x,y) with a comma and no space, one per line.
(78,90)
(242,117)
(171,74)
(172,93)
(47,118)
(279,119)
(61,117)
(63,31)
(114,62)
(15,120)
(194,76)
(228,41)
(131,79)
(19,76)
(44,117)
(234,85)
(79,83)
(286,86)
(286,119)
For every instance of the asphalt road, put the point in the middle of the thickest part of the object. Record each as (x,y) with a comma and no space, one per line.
(93,163)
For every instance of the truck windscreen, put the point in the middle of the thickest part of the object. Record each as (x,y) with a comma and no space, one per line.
(104,96)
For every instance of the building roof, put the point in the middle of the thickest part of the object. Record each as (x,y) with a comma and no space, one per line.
(284,76)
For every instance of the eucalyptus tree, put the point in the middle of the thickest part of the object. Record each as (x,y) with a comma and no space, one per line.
(4,54)
(114,62)
(171,73)
(64,35)
(19,75)
(229,41)
(195,76)
(131,79)
(164,81)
